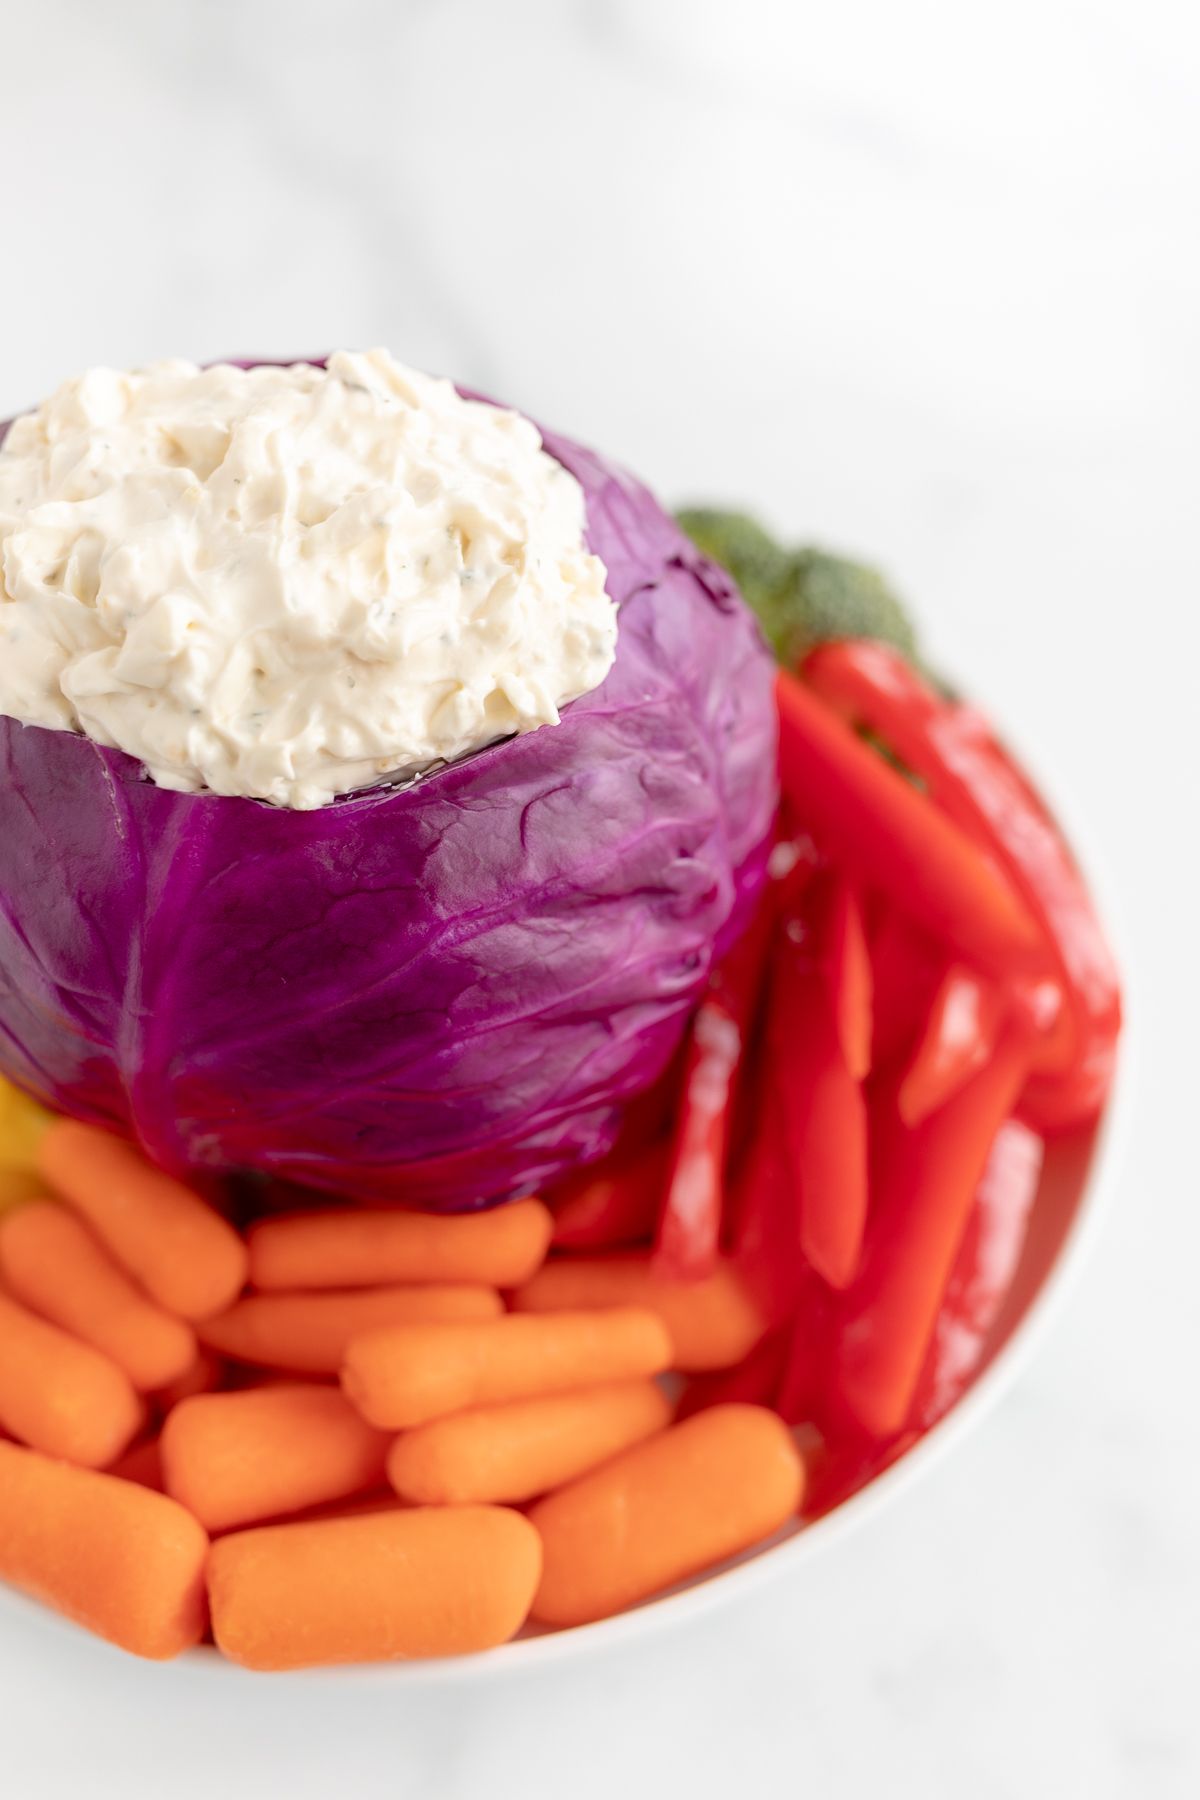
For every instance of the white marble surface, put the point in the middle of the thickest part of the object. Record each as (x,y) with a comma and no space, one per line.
(921,280)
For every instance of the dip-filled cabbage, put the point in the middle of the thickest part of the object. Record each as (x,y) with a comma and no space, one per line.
(446,992)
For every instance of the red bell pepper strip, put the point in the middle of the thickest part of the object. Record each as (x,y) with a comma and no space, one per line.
(871,686)
(905,971)
(798,1397)
(797,1383)
(752,1381)
(765,1227)
(960,1035)
(737,980)
(825,1115)
(613,1204)
(893,836)
(982,1273)
(926,1179)
(689,1228)
(836,1468)
(849,968)
(970,775)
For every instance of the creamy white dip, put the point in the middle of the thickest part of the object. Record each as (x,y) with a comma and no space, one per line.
(289,583)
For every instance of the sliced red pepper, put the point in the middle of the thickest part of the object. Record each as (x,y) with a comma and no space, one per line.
(765,1228)
(965,1021)
(893,836)
(798,1397)
(753,1381)
(849,969)
(982,1274)
(836,1468)
(970,775)
(905,971)
(925,1181)
(689,1228)
(737,979)
(616,1203)
(825,1116)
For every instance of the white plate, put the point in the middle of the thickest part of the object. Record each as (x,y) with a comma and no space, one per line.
(1078,1176)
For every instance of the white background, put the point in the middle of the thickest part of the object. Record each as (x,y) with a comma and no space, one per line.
(920,280)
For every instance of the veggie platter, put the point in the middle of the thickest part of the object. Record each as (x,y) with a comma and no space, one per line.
(478,1203)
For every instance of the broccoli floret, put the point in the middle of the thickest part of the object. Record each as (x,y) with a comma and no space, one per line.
(801,597)
(834,597)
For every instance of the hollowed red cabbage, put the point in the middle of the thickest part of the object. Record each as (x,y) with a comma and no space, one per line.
(447,993)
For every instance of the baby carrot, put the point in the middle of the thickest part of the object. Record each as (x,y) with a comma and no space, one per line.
(307,1334)
(517,1451)
(61,1396)
(437,1581)
(184,1254)
(55,1266)
(235,1458)
(713,1323)
(702,1491)
(351,1247)
(406,1374)
(115,1557)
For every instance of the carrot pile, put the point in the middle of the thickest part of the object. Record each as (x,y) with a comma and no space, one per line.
(311,1438)
(336,1435)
